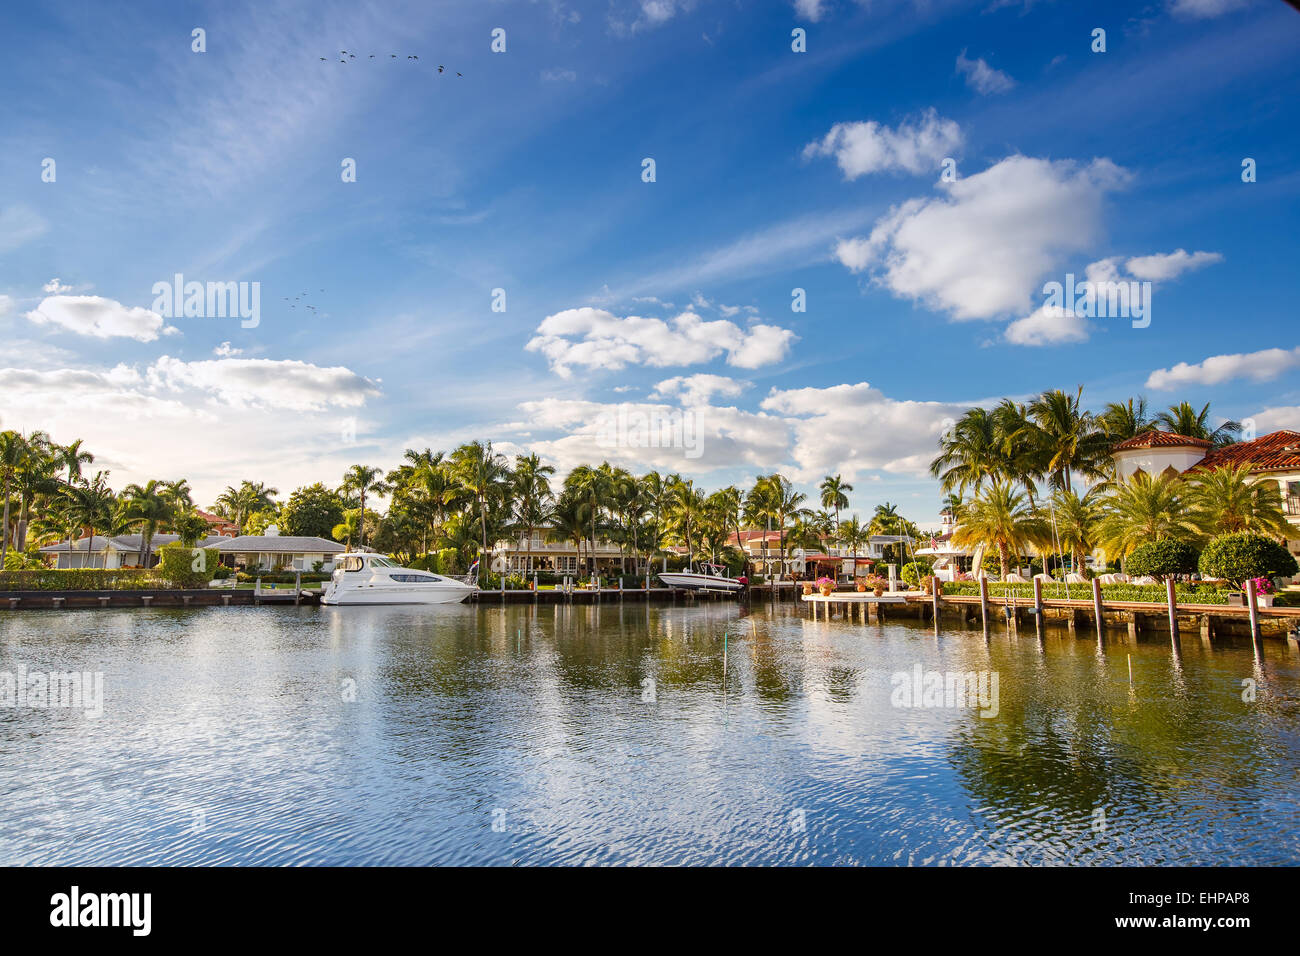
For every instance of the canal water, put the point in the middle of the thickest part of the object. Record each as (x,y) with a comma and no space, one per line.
(627,734)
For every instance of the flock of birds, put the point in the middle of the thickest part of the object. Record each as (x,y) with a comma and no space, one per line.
(302,296)
(344,56)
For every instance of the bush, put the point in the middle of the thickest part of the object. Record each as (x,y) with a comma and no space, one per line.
(913,573)
(1160,559)
(1242,555)
(187,567)
(80,579)
(312,511)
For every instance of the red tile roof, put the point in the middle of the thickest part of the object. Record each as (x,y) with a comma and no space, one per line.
(1277,451)
(1159,439)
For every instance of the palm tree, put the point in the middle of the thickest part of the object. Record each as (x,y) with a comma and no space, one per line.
(532,494)
(569,521)
(1074,521)
(969,454)
(13,452)
(590,485)
(1141,510)
(1071,439)
(1183,419)
(480,473)
(1124,420)
(362,480)
(998,517)
(146,507)
(686,511)
(89,505)
(853,534)
(774,499)
(72,458)
(885,519)
(1224,499)
(833,490)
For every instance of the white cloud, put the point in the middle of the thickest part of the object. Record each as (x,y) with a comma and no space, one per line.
(6,305)
(98,317)
(225,350)
(1259,366)
(19,225)
(595,338)
(852,429)
(980,251)
(55,286)
(1168,266)
(914,146)
(1204,9)
(268,383)
(698,389)
(810,10)
(1048,325)
(983,78)
(160,424)
(559,76)
(1278,417)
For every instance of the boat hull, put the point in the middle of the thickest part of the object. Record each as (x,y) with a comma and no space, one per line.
(700,582)
(377,594)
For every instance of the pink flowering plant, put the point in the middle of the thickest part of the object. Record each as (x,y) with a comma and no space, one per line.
(1264,585)
(822,581)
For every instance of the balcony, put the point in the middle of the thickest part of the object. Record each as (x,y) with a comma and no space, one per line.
(1291,506)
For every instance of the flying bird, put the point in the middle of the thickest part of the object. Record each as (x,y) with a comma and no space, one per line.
(439,68)
(322,59)
(460,74)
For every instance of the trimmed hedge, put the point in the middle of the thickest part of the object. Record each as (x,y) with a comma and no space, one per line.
(82,579)
(1150,593)
(281,577)
(187,567)
(1159,559)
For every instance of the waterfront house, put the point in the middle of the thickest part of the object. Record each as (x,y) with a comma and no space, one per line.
(1274,457)
(114,551)
(278,552)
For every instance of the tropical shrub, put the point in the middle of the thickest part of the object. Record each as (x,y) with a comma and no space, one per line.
(187,567)
(1160,559)
(1148,593)
(312,511)
(914,571)
(1242,555)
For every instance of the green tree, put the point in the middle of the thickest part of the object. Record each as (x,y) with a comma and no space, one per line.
(1183,419)
(1142,509)
(362,480)
(1224,500)
(999,518)
(312,511)
(834,494)
(1242,555)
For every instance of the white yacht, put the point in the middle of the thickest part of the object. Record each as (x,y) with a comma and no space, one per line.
(710,577)
(364,578)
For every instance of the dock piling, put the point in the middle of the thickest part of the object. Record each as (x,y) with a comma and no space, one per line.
(1097,608)
(1253,607)
(1172,598)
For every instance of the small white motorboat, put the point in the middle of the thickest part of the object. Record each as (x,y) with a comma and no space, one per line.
(710,577)
(364,578)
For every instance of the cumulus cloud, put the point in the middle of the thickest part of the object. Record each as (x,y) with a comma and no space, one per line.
(225,350)
(99,318)
(1048,325)
(1259,366)
(698,389)
(55,286)
(981,77)
(981,250)
(806,432)
(914,146)
(268,383)
(851,429)
(596,338)
(1171,265)
(1275,418)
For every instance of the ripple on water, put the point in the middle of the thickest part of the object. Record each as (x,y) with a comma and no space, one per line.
(613,735)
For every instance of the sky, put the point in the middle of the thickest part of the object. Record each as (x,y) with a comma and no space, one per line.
(798,236)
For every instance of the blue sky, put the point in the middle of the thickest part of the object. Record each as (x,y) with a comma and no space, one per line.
(774,171)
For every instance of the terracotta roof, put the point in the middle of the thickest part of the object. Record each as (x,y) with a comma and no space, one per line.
(1277,451)
(1159,439)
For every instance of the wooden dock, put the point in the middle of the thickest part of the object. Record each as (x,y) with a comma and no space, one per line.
(1094,613)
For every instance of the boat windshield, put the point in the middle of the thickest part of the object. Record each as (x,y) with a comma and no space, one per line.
(379,562)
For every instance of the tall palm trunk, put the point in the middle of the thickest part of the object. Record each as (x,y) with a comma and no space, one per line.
(4,529)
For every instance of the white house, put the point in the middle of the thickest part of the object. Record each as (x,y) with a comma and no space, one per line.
(116,551)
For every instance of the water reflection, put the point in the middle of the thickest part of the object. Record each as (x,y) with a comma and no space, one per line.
(613,734)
